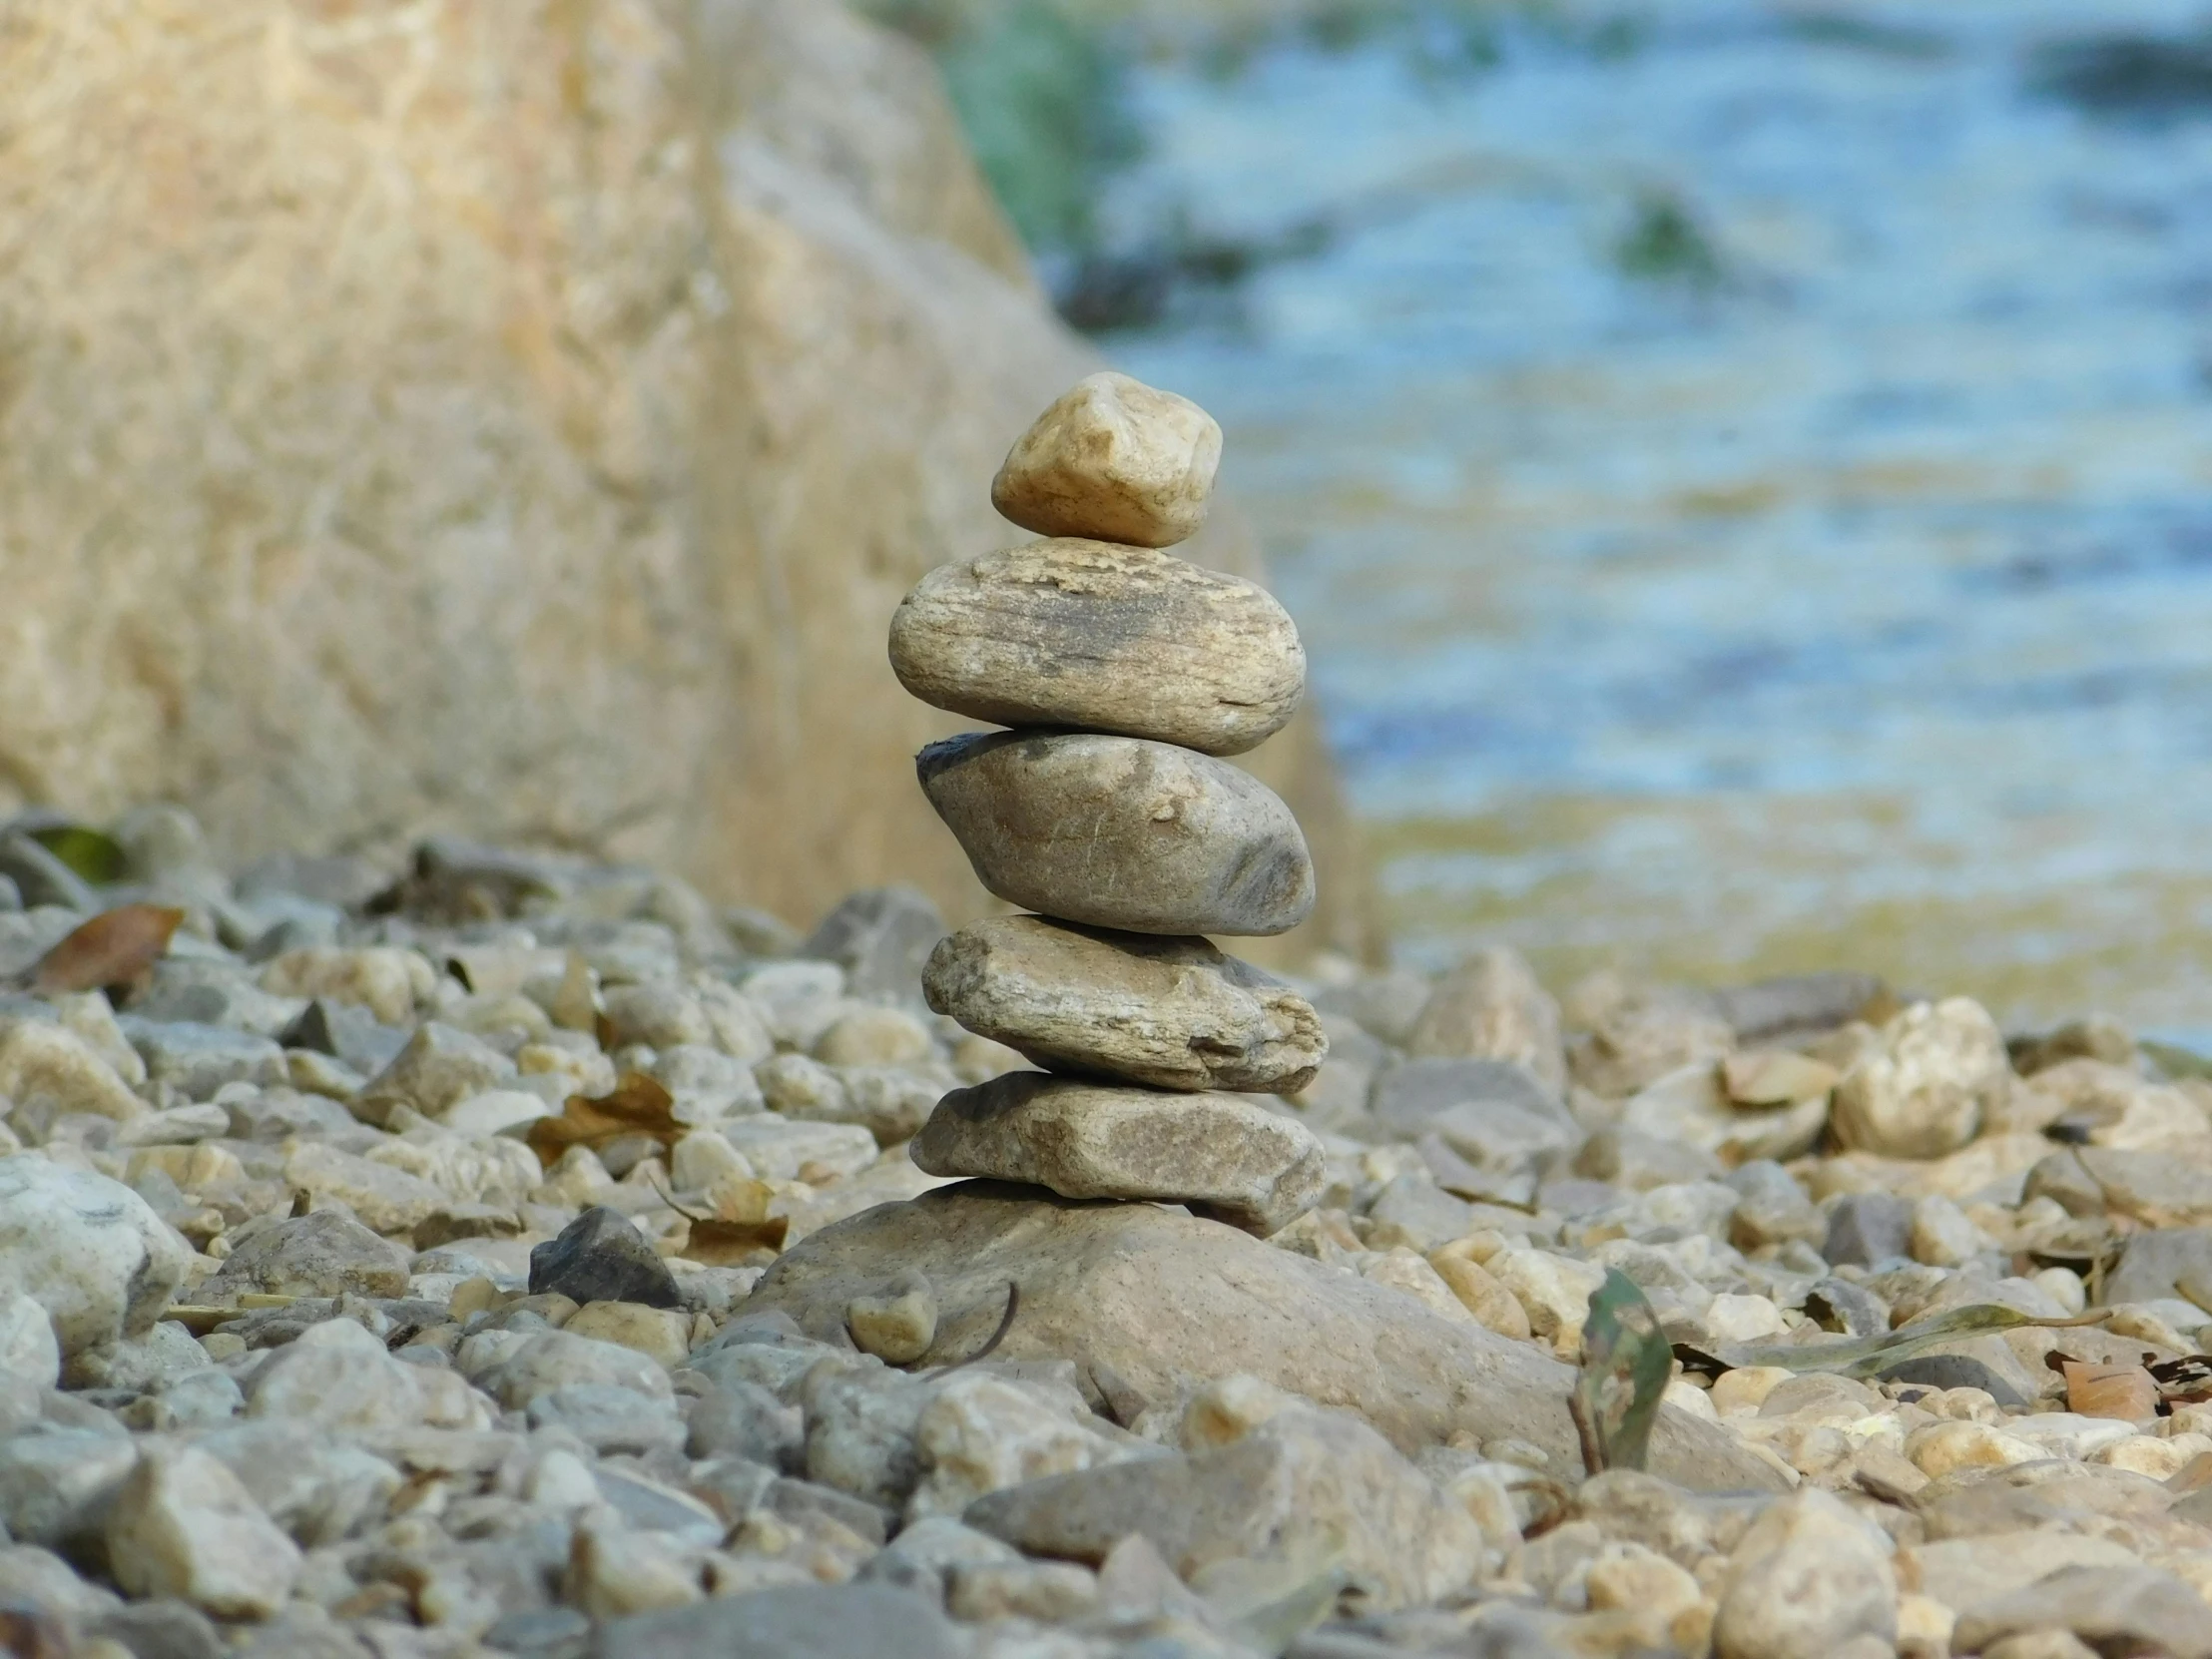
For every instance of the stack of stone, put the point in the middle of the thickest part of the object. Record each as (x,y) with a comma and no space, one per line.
(1123,673)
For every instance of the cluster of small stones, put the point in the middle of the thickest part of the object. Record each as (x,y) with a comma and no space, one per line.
(315,1341)
(1123,673)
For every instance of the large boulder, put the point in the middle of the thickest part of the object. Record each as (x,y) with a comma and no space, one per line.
(1150,1303)
(520,420)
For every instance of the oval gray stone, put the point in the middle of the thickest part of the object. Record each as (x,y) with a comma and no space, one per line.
(1102,637)
(1221,1156)
(1121,833)
(1174,1013)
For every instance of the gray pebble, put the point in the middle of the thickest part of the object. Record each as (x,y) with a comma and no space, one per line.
(1119,833)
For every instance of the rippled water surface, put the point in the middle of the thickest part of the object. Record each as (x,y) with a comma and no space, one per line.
(1748,489)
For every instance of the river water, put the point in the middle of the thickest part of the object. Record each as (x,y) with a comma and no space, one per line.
(1744,481)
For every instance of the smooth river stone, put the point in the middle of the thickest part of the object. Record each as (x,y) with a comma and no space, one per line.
(1171,1012)
(1101,638)
(1113,459)
(1121,833)
(1221,1156)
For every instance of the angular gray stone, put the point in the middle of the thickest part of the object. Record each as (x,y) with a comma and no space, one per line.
(1773,1209)
(2156,1188)
(1099,638)
(1796,1003)
(1221,1156)
(1116,459)
(184,1525)
(1121,833)
(274,1116)
(599,1257)
(881,936)
(802,1621)
(440,1066)
(327,1252)
(346,1032)
(213,993)
(1146,1302)
(2116,1610)
(1808,1580)
(2155,1265)
(86,1249)
(1491,1007)
(198,1059)
(57,1484)
(1304,1485)
(1174,1013)
(1492,1112)
(1865,1228)
(743,1420)
(612,1420)
(1638,1162)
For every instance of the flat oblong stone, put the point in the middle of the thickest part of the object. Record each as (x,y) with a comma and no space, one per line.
(1171,1012)
(1114,459)
(1121,833)
(1221,1156)
(1101,638)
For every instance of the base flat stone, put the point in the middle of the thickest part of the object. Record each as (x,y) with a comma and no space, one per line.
(1221,1156)
(1149,1303)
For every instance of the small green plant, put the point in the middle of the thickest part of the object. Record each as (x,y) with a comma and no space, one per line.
(1664,243)
(88,853)
(1626,1362)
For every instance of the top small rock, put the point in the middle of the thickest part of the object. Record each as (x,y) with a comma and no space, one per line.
(1113,460)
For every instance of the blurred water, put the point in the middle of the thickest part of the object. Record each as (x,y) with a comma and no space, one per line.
(1848,604)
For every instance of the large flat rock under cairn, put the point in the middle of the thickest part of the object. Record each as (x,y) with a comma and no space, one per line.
(1174,1013)
(1148,1302)
(1121,833)
(1101,638)
(1220,1155)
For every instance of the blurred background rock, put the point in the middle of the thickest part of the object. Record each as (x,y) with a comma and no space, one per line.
(518,420)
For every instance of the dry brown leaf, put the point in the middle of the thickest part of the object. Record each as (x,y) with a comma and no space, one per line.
(116,947)
(735,1244)
(2128,1393)
(637,1105)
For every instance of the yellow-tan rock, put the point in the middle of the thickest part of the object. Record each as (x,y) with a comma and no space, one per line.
(1116,460)
(1102,637)
(515,420)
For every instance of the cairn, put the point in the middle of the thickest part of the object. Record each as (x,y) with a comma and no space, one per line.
(1124,673)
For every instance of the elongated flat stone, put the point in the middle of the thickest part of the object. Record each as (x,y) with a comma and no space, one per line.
(1115,460)
(1221,1156)
(1102,637)
(1121,833)
(1171,1012)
